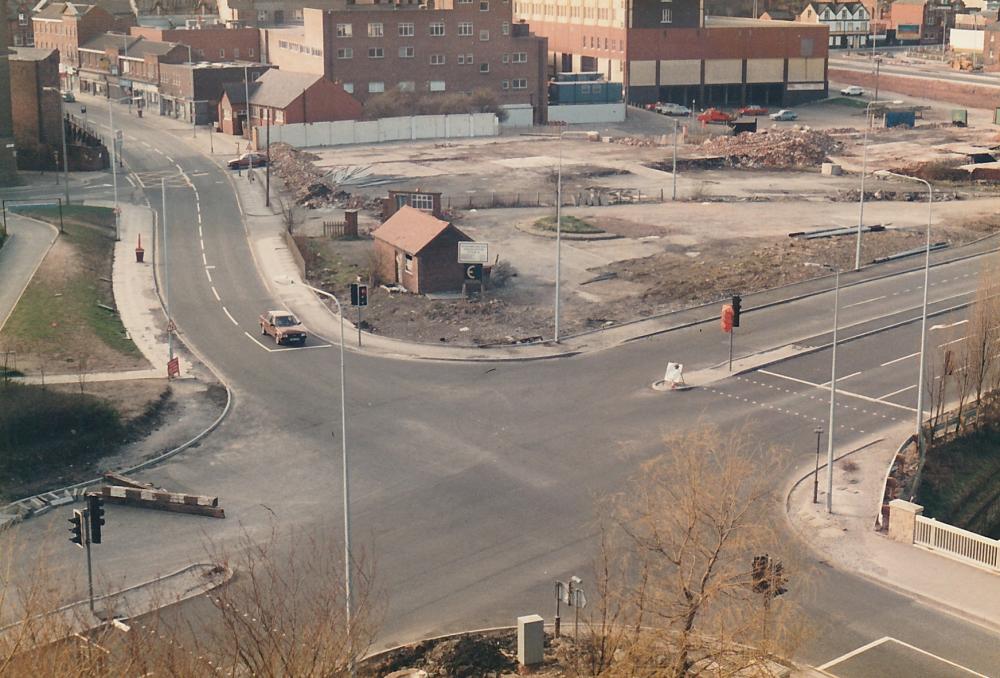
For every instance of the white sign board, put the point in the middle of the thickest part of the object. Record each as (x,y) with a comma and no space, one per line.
(473,252)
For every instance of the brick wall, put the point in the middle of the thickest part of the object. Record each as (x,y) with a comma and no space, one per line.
(962,94)
(36,113)
(209,43)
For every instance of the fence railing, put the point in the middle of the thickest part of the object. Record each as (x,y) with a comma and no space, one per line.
(957,543)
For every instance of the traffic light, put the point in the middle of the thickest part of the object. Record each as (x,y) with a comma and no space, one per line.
(362,295)
(355,293)
(758,574)
(77,530)
(95,506)
(768,576)
(736,310)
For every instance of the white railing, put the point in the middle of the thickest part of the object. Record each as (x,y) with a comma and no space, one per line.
(957,543)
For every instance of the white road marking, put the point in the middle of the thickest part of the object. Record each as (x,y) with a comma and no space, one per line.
(944,327)
(200,234)
(168,158)
(147,144)
(826,384)
(204,259)
(905,357)
(211,267)
(288,348)
(217,297)
(953,341)
(208,274)
(848,394)
(866,301)
(202,241)
(159,151)
(854,653)
(130,180)
(888,639)
(906,388)
(230,316)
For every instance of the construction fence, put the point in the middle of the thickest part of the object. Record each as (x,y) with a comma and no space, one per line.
(409,128)
(596,196)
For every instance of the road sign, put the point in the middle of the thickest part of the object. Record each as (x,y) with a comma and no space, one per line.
(474,272)
(171,327)
(473,252)
(118,135)
(173,367)
(579,600)
(562,592)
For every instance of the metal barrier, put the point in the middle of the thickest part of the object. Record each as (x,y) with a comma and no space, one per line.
(957,543)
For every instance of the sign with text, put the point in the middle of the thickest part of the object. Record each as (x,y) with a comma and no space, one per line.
(473,252)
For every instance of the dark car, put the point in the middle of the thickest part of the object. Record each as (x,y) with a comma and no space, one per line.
(244,161)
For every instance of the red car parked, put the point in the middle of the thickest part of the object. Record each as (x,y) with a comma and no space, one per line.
(714,115)
(753,111)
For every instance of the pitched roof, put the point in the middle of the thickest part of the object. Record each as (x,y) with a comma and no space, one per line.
(410,229)
(277,89)
(150,47)
(106,41)
(236,92)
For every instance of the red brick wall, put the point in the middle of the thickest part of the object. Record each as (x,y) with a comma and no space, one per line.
(209,44)
(728,43)
(324,101)
(962,94)
(438,269)
(36,113)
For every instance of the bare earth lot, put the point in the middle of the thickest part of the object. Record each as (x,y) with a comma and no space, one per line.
(727,231)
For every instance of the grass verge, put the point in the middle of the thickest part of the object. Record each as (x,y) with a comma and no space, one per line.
(852,102)
(960,484)
(569,224)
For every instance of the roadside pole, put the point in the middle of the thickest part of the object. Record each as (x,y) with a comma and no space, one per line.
(267,177)
(819,434)
(731,333)
(166,275)
(90,568)
(674,170)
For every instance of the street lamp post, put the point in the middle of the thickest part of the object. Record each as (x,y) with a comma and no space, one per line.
(923,314)
(559,233)
(819,433)
(864,170)
(833,386)
(62,127)
(114,160)
(344,465)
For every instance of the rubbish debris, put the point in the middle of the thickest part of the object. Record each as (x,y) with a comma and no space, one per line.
(774,148)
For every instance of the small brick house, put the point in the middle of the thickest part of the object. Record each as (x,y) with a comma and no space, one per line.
(419,251)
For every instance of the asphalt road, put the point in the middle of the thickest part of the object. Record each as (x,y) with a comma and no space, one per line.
(474,484)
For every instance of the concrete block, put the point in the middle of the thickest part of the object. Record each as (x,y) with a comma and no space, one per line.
(63,500)
(530,640)
(903,520)
(832,169)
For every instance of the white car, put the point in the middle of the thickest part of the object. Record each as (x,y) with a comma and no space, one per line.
(784,114)
(853,91)
(672,109)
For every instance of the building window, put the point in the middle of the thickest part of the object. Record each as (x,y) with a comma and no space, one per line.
(505,59)
(262,16)
(279,117)
(505,28)
(437,59)
(222,53)
(519,57)
(345,53)
(667,16)
(405,52)
(505,84)
(519,83)
(461,59)
(409,263)
(436,29)
(348,87)
(484,35)
(376,53)
(406,30)
(436,85)
(407,86)
(375,30)
(464,2)
(279,16)
(345,30)
(465,28)
(249,52)
(484,5)
(22,19)
(376,87)
(422,201)
(236,52)
(484,68)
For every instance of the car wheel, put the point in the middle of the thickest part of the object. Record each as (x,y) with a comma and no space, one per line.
(263,332)
(277,339)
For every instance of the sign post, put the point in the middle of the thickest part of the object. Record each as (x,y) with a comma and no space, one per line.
(472,255)
(359,298)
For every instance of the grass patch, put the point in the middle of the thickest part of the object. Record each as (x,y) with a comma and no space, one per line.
(334,264)
(61,315)
(45,433)
(851,102)
(960,484)
(569,225)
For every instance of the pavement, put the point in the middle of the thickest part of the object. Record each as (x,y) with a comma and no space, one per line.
(28,243)
(847,538)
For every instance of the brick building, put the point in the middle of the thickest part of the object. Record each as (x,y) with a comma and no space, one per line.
(208,42)
(196,88)
(916,21)
(453,46)
(419,251)
(284,98)
(19,28)
(848,22)
(266,13)
(991,47)
(671,51)
(36,107)
(8,168)
(65,26)
(139,70)
(97,62)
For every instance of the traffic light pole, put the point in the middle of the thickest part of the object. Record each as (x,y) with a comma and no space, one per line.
(90,568)
(359,326)
(731,333)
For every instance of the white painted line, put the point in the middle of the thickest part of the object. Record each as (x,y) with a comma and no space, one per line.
(944,327)
(204,259)
(854,653)
(199,219)
(212,267)
(200,234)
(939,658)
(130,180)
(208,274)
(181,170)
(158,151)
(905,357)
(202,241)
(889,395)
(848,394)
(169,158)
(147,144)
(953,341)
(284,348)
(866,301)
(256,341)
(217,297)
(230,316)
(826,384)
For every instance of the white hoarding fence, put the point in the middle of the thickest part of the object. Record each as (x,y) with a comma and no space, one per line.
(411,128)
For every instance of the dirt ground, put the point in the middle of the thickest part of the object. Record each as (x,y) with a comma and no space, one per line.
(727,231)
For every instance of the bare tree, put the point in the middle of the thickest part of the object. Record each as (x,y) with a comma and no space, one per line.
(291,214)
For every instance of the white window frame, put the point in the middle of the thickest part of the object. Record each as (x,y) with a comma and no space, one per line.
(376,87)
(505,59)
(436,29)
(519,83)
(406,52)
(376,29)
(505,28)
(667,15)
(465,29)
(484,67)
(345,30)
(422,202)
(505,84)
(484,5)
(345,52)
(407,86)
(376,52)
(437,85)
(437,59)
(484,35)
(406,30)
(348,87)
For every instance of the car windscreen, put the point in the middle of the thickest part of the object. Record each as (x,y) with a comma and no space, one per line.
(285,321)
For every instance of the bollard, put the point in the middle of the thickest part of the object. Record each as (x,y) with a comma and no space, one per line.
(530,640)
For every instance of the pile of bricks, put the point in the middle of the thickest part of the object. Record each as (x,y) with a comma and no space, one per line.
(299,173)
(801,147)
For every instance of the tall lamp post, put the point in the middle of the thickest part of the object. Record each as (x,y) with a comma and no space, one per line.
(62,127)
(833,384)
(923,314)
(864,170)
(555,333)
(114,158)
(344,460)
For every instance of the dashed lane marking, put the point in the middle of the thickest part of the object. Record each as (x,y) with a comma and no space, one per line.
(283,348)
(226,310)
(896,360)
(848,394)
(217,297)
(866,301)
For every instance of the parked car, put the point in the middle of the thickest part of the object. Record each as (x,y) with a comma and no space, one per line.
(714,115)
(672,109)
(753,110)
(243,162)
(784,114)
(68,96)
(283,327)
(853,91)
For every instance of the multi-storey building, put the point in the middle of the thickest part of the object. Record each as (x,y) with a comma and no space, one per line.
(208,42)
(192,91)
(848,22)
(65,26)
(19,30)
(670,51)
(36,108)
(453,46)
(8,168)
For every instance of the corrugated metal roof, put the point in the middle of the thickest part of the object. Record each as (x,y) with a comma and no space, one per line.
(410,229)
